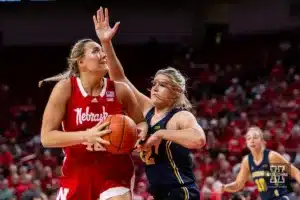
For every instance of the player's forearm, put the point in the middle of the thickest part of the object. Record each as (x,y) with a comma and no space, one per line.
(232,187)
(59,139)
(189,138)
(116,71)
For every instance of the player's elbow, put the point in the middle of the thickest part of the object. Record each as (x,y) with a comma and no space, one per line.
(198,141)
(45,139)
(239,185)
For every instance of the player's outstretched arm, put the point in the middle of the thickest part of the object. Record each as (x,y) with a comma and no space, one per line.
(127,98)
(116,72)
(51,136)
(129,102)
(188,134)
(241,178)
(277,158)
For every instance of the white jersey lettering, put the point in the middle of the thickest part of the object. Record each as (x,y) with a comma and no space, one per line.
(82,116)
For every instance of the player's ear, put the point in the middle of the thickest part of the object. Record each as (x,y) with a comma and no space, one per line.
(80,61)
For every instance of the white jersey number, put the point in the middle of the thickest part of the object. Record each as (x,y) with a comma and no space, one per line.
(94,147)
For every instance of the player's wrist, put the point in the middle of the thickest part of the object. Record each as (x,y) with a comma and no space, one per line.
(223,188)
(159,134)
(106,43)
(84,136)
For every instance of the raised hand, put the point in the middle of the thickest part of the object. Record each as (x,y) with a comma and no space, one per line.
(101,21)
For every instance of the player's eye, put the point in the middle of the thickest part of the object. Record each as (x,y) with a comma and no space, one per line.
(96,50)
(162,84)
(153,83)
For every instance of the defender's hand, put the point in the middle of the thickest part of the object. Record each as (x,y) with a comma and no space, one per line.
(101,21)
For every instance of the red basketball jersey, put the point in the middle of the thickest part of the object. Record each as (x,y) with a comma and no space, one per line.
(85,111)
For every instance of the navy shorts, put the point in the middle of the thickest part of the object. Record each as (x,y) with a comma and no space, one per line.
(190,192)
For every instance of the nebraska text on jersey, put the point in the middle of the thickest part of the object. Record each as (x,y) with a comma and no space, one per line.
(82,116)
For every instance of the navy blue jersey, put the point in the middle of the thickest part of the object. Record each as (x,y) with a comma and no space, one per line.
(172,166)
(272,180)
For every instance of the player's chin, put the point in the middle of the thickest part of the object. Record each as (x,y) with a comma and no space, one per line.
(103,66)
(252,147)
(155,100)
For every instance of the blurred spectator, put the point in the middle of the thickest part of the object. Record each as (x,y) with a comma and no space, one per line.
(281,150)
(6,158)
(227,99)
(5,192)
(48,160)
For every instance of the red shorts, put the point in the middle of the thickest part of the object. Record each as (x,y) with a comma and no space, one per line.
(96,179)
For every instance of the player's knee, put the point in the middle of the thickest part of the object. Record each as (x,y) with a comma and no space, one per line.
(116,193)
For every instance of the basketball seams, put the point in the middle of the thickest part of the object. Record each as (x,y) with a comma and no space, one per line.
(122,139)
(109,135)
(123,132)
(108,129)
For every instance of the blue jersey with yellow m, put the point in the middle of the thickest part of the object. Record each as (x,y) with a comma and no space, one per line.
(272,180)
(172,166)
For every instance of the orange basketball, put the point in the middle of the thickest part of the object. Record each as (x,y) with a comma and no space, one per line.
(123,134)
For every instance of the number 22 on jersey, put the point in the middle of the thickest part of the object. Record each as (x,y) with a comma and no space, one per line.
(147,157)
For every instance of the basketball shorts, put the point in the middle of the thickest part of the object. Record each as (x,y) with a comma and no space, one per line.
(190,192)
(96,180)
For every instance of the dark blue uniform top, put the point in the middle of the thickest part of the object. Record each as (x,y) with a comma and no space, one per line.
(172,166)
(272,181)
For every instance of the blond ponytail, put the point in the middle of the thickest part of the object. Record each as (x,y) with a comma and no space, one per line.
(58,77)
(184,103)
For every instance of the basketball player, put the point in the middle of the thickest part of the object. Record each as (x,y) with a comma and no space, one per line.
(173,130)
(81,101)
(269,170)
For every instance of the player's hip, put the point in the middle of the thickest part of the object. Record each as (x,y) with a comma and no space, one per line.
(175,192)
(97,165)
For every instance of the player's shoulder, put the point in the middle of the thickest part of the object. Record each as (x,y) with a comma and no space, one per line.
(121,89)
(245,158)
(64,84)
(63,87)
(183,114)
(245,161)
(274,156)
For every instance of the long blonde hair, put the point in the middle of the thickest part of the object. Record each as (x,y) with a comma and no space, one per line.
(77,52)
(179,81)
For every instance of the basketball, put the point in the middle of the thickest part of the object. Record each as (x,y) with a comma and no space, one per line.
(123,136)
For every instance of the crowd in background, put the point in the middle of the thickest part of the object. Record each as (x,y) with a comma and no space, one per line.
(227,98)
